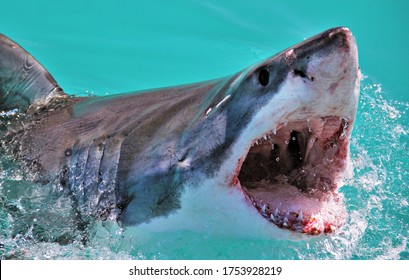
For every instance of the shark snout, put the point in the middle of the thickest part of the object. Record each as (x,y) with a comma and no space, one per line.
(337,59)
(327,56)
(328,66)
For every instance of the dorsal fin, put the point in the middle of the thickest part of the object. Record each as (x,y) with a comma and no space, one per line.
(23,80)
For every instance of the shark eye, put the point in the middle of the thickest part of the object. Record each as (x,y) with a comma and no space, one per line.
(263,77)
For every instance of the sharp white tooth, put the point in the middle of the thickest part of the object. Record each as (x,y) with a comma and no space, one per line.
(274,131)
(264,208)
(309,126)
(272,218)
(315,127)
(276,212)
(310,144)
(285,224)
(265,137)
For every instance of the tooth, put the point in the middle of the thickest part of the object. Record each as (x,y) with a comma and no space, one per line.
(265,137)
(309,126)
(272,218)
(310,144)
(285,224)
(276,212)
(264,208)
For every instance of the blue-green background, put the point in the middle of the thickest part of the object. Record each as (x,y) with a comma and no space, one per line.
(104,47)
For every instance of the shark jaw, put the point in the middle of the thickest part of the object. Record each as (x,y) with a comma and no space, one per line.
(291,174)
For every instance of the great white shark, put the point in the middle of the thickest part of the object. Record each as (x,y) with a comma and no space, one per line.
(277,131)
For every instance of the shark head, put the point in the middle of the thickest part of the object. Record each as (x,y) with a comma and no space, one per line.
(279,132)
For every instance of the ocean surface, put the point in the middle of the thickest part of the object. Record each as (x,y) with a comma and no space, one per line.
(105,47)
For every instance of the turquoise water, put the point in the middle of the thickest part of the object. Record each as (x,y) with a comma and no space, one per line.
(104,47)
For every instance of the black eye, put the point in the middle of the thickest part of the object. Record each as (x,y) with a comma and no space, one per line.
(263,77)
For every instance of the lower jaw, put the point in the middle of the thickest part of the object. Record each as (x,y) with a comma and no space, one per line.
(326,215)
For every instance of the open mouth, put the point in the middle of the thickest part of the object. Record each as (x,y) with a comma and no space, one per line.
(291,174)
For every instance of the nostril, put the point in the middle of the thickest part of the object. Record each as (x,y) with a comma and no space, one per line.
(300,73)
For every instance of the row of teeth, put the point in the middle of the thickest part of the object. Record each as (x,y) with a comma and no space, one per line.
(312,137)
(278,218)
(274,131)
(309,225)
(265,137)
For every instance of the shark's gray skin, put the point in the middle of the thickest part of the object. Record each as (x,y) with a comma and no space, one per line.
(279,131)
